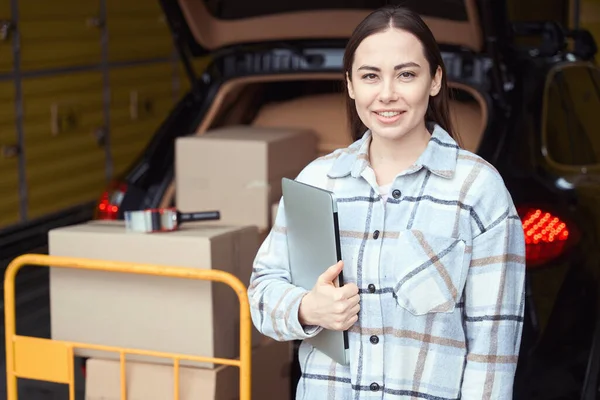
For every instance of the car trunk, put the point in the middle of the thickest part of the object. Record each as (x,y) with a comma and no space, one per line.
(310,100)
(203,27)
(216,24)
(316,102)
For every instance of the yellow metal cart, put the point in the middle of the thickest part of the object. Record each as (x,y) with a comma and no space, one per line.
(52,360)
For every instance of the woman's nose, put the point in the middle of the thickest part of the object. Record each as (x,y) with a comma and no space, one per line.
(388,92)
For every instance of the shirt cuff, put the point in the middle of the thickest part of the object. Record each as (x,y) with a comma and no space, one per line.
(303,331)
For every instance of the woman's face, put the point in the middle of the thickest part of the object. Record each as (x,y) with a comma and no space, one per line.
(391,83)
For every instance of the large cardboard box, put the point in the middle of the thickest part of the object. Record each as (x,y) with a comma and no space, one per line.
(238,170)
(147,312)
(270,378)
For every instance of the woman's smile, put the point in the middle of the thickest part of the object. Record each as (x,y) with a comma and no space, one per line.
(389,117)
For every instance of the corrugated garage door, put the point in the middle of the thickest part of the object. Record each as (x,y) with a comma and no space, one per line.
(94,80)
(64,163)
(9,166)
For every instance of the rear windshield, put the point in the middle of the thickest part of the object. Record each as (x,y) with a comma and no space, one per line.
(236,9)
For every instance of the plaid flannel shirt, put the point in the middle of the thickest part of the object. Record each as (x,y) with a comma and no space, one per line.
(440,269)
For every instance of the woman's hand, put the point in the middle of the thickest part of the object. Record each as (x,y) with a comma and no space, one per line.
(329,306)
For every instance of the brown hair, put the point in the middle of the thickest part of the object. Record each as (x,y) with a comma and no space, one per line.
(438,110)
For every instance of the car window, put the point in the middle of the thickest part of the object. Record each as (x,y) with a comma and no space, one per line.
(236,9)
(572,104)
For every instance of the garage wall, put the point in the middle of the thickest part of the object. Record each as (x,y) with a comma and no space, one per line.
(83,86)
(561,11)
(589,18)
(539,10)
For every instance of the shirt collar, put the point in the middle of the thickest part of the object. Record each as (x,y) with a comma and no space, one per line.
(439,156)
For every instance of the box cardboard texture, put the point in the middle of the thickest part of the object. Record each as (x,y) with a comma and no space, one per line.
(174,315)
(238,170)
(263,233)
(270,378)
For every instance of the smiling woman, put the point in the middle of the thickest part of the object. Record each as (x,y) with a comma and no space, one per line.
(401,61)
(394,77)
(433,253)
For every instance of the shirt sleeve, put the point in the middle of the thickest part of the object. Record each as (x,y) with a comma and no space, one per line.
(274,300)
(494,308)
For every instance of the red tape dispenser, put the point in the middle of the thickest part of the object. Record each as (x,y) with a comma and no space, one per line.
(164,219)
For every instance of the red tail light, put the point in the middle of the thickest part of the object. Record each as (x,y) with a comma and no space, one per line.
(546,235)
(108,205)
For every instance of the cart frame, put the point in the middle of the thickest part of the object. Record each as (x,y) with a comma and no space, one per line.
(52,360)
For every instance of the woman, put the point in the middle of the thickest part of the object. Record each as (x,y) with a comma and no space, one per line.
(432,246)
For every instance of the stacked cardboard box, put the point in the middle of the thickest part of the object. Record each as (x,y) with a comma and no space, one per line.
(149,312)
(245,166)
(234,170)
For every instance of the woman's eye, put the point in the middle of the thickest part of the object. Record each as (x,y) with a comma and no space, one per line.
(369,76)
(407,75)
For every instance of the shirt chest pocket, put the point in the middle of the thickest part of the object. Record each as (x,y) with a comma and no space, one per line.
(429,271)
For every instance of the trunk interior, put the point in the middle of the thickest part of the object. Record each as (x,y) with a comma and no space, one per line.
(317,102)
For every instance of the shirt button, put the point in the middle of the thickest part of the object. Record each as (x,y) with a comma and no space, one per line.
(396,194)
(374,386)
(375,234)
(374,339)
(371,288)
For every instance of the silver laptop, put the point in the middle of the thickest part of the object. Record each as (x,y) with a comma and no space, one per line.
(314,245)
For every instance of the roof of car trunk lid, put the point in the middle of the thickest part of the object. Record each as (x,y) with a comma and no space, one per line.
(210,25)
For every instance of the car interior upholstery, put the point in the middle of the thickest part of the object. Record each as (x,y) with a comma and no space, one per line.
(325,114)
(213,33)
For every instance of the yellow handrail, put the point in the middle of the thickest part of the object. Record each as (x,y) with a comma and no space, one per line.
(51,360)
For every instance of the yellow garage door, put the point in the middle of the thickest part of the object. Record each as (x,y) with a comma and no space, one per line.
(6,25)
(71,147)
(141,98)
(137,30)
(590,19)
(59,35)
(65,159)
(9,157)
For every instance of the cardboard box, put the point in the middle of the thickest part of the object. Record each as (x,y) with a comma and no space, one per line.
(263,233)
(270,378)
(148,312)
(238,170)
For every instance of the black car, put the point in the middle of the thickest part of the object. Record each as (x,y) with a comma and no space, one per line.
(525,98)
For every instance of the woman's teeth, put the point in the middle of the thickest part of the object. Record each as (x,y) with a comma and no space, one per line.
(388,114)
